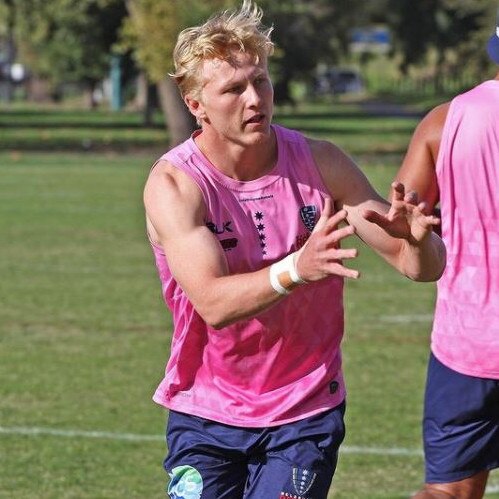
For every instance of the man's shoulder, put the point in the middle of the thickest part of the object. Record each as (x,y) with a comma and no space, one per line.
(324,148)
(168,180)
(431,126)
(438,114)
(179,152)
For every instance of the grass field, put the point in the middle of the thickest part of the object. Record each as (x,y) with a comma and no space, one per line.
(84,334)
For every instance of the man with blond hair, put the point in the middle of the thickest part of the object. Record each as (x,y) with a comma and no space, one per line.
(246,219)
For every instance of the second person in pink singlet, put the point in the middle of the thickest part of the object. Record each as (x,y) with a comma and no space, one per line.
(453,159)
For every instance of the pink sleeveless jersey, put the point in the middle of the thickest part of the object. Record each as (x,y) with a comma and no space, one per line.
(284,364)
(466,326)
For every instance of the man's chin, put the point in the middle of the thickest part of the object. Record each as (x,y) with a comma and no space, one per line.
(258,133)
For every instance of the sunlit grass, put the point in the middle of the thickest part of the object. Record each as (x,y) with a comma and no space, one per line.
(84,334)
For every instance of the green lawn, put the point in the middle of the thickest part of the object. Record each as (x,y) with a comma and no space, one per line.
(53,129)
(84,335)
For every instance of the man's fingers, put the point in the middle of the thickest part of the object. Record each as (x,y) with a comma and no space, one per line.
(327,241)
(327,220)
(335,220)
(342,271)
(420,212)
(376,218)
(337,235)
(325,215)
(412,198)
(423,207)
(434,220)
(398,191)
(345,254)
(328,207)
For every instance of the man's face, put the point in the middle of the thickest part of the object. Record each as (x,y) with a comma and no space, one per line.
(236,99)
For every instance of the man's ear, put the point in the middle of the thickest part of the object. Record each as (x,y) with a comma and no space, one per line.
(195,107)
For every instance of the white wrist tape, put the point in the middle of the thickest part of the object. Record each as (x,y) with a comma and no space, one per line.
(295,277)
(284,266)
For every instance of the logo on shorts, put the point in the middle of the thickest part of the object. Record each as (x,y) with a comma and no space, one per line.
(307,214)
(185,483)
(303,480)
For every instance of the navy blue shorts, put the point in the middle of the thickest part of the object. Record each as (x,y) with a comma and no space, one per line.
(460,425)
(210,460)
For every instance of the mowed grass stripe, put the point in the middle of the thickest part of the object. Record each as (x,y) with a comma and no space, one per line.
(35,431)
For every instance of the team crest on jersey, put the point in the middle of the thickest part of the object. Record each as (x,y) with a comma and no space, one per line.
(308,214)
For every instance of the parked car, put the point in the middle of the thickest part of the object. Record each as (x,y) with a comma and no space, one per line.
(339,81)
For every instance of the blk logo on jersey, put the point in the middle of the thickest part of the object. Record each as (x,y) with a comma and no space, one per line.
(225,227)
(308,214)
(229,243)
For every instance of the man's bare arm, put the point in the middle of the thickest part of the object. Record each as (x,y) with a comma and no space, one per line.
(400,233)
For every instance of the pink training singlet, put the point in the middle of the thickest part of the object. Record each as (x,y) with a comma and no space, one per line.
(284,364)
(466,326)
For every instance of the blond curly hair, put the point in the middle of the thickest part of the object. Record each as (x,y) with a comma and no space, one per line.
(240,29)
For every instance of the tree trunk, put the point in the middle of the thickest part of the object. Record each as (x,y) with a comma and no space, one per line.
(9,53)
(89,93)
(179,121)
(150,105)
(38,89)
(141,83)
(145,98)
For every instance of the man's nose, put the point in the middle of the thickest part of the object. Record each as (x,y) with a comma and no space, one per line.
(253,96)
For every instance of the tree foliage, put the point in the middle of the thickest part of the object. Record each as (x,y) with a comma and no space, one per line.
(151,31)
(67,40)
(152,27)
(71,40)
(307,33)
(450,28)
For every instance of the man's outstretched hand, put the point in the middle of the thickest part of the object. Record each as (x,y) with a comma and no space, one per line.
(406,218)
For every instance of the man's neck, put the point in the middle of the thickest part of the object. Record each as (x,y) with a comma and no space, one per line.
(238,161)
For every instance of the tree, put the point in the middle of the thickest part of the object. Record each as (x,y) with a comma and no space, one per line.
(151,31)
(8,13)
(306,33)
(68,40)
(450,28)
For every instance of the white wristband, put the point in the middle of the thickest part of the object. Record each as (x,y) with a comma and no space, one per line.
(286,265)
(295,277)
